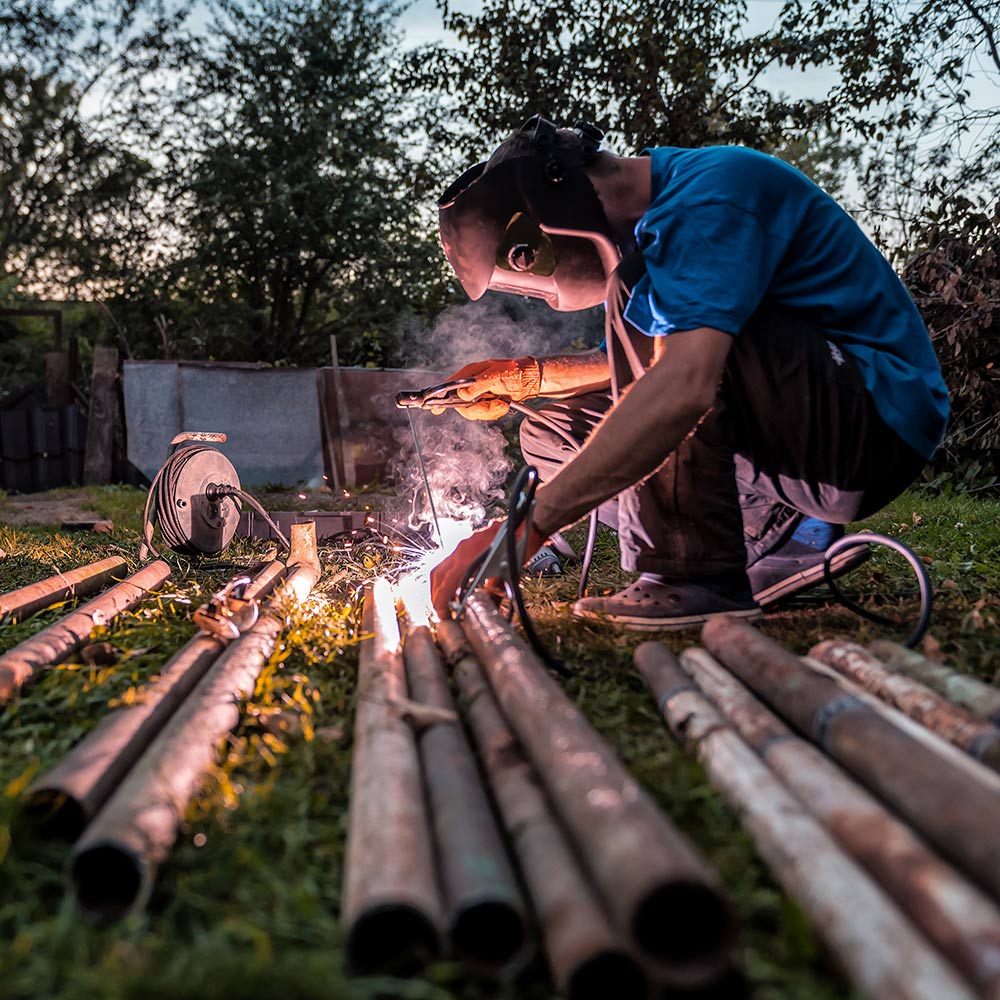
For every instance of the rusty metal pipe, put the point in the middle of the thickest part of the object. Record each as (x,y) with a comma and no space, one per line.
(977,697)
(957,919)
(588,958)
(53,644)
(948,805)
(25,601)
(484,911)
(66,798)
(658,890)
(879,949)
(115,861)
(391,909)
(978,739)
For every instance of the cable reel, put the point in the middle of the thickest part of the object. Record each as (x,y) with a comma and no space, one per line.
(196,499)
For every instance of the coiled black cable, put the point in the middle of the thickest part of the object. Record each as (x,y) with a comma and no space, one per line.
(160,506)
(923,581)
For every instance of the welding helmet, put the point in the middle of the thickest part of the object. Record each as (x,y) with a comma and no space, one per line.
(533,223)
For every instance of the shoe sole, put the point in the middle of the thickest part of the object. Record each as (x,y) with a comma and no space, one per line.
(643,623)
(842,563)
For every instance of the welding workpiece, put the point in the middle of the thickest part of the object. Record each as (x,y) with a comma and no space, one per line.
(114,863)
(955,916)
(871,939)
(25,601)
(66,798)
(953,803)
(659,893)
(57,641)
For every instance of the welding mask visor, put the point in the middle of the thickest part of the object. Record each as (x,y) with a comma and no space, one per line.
(530,226)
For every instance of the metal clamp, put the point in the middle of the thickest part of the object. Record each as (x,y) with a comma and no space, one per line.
(228,613)
(443,394)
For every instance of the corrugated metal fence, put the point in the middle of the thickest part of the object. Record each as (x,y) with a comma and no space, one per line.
(41,447)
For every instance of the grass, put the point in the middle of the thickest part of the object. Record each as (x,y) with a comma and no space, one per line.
(247,904)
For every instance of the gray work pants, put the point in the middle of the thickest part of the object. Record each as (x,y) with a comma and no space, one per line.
(793,431)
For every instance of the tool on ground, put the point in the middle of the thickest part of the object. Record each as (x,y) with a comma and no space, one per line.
(228,613)
(195,498)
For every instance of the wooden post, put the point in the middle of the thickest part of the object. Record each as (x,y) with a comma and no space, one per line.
(343,421)
(58,382)
(102,418)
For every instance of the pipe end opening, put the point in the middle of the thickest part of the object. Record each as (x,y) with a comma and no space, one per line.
(683,922)
(488,934)
(607,974)
(392,938)
(108,881)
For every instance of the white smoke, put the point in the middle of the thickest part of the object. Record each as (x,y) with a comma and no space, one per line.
(467,463)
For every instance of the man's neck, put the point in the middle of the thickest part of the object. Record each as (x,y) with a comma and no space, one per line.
(625,192)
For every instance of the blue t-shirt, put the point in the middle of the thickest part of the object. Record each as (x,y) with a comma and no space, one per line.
(729,228)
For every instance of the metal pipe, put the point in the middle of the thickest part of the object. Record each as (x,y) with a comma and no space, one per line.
(25,601)
(66,798)
(115,861)
(970,693)
(880,951)
(955,811)
(391,909)
(978,739)
(54,643)
(658,890)
(484,911)
(955,917)
(588,958)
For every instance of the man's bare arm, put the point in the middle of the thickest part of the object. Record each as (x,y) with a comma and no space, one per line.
(637,435)
(570,374)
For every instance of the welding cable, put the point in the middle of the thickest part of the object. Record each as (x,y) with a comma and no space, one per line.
(923,582)
(160,504)
(588,551)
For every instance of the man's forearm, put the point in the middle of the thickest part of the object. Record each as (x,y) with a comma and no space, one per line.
(570,374)
(635,438)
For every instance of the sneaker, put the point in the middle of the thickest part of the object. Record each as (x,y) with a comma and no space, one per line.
(655,604)
(545,562)
(793,569)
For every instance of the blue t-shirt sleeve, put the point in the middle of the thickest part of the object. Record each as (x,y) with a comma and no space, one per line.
(707,265)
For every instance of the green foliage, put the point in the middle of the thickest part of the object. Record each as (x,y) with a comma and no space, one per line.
(956,284)
(290,167)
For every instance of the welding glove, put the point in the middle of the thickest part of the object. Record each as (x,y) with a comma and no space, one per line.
(499,380)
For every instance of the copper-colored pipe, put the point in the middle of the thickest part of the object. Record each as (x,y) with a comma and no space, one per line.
(391,909)
(115,861)
(970,693)
(658,890)
(25,601)
(954,916)
(589,959)
(872,940)
(67,798)
(54,643)
(978,739)
(485,914)
(945,803)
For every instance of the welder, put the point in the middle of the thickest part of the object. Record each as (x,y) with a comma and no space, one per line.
(765,377)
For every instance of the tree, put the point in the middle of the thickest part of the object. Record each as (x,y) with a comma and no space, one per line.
(289,171)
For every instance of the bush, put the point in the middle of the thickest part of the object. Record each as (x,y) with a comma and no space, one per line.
(956,285)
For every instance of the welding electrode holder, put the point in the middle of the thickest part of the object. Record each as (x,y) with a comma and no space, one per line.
(228,613)
(443,394)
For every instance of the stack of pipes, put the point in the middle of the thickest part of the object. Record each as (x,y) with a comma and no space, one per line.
(121,793)
(621,900)
(883,830)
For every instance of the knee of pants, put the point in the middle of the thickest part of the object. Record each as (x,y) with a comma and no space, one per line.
(538,442)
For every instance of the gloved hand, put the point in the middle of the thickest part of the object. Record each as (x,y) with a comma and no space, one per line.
(450,574)
(498,381)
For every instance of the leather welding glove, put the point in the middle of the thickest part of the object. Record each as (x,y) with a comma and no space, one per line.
(498,381)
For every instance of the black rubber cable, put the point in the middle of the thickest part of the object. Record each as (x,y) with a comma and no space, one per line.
(588,551)
(923,582)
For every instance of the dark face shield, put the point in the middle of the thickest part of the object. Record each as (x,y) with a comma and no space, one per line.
(528,228)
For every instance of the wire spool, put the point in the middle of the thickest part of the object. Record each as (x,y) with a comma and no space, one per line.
(192,500)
